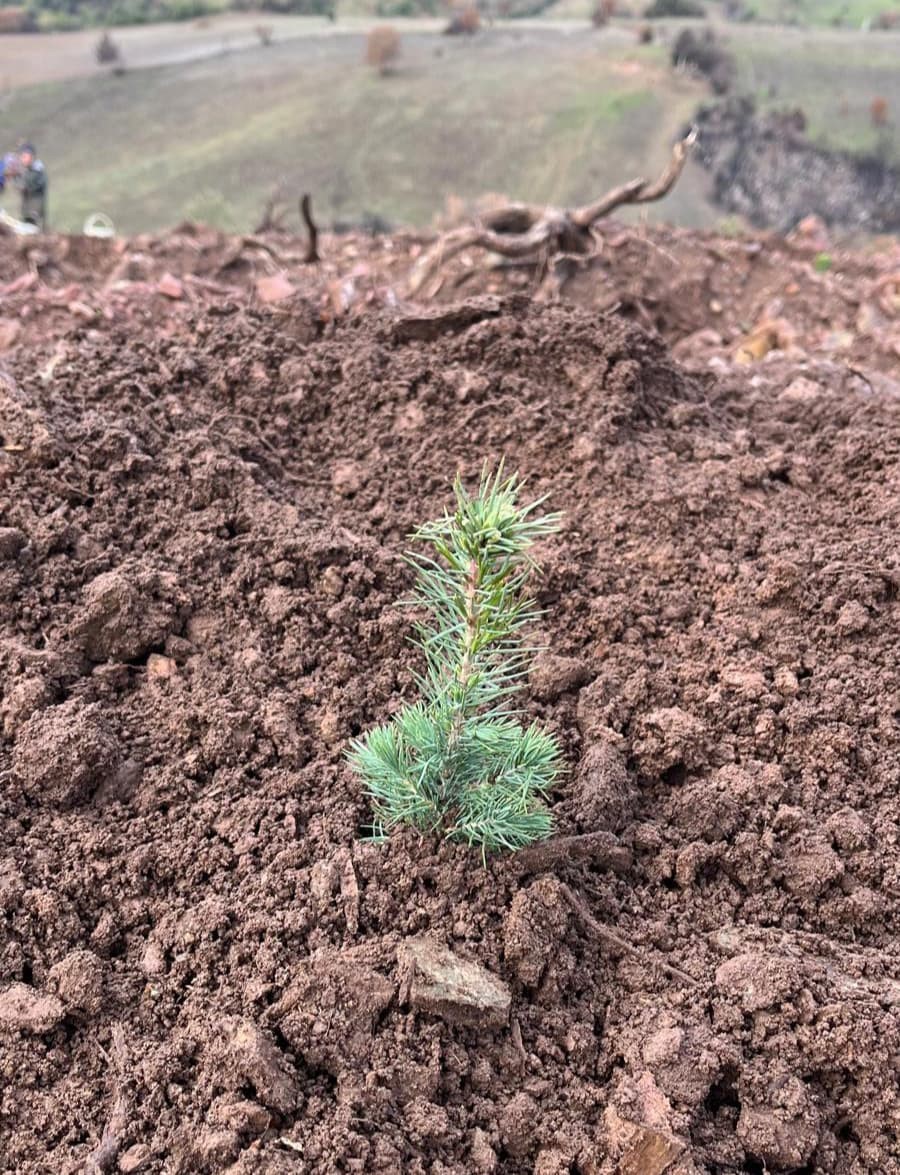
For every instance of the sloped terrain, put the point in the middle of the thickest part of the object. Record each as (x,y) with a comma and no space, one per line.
(204,965)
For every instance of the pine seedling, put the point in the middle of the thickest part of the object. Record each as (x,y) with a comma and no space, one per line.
(459,761)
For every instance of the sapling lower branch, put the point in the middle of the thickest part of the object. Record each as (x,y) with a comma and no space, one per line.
(458,760)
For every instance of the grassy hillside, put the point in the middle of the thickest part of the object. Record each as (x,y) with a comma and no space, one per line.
(540,115)
(847,13)
(540,112)
(832,76)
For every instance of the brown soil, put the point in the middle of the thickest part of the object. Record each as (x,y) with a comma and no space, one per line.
(203,503)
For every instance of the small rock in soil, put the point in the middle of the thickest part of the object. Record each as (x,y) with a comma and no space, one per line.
(552,675)
(786,682)
(801,391)
(153,961)
(214,1148)
(23,1009)
(274,289)
(78,981)
(445,985)
(170,287)
(135,1159)
(639,1128)
(63,754)
(853,618)
(159,666)
(255,1059)
(239,1115)
(650,1153)
(126,612)
(535,926)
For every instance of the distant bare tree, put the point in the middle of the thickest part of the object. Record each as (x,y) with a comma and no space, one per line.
(383,48)
(274,211)
(464,21)
(18,20)
(107,51)
(878,112)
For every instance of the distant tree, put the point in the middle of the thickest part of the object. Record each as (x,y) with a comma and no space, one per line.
(680,8)
(464,22)
(18,20)
(878,111)
(383,48)
(708,56)
(603,12)
(107,51)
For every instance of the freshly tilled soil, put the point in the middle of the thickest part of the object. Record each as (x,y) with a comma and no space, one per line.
(205,966)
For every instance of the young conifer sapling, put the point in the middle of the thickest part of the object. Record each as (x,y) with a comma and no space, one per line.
(459,760)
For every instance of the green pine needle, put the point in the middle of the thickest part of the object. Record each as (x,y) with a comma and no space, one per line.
(457,761)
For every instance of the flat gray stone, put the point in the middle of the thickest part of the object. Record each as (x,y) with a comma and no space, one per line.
(440,982)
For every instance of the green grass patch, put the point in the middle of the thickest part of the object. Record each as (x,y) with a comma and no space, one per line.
(539,116)
(833,77)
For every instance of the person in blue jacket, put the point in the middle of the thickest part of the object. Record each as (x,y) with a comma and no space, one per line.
(8,168)
(32,181)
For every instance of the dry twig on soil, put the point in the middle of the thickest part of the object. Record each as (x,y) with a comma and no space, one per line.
(103,1157)
(540,234)
(600,848)
(312,247)
(590,923)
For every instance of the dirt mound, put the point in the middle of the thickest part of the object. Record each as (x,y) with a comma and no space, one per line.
(706,295)
(204,968)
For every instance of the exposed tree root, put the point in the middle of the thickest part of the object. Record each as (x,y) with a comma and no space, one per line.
(312,247)
(590,923)
(542,234)
(103,1157)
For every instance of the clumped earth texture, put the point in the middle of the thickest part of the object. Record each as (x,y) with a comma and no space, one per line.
(211,456)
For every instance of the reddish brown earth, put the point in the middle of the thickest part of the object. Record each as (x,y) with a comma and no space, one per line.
(203,504)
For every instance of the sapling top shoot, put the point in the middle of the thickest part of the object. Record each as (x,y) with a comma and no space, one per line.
(459,760)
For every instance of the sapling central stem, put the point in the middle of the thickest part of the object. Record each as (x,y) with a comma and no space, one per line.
(457,760)
(470,631)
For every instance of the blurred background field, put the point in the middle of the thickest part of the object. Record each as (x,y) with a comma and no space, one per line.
(207,117)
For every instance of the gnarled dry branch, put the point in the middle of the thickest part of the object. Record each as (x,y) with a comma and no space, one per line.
(312,230)
(530,231)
